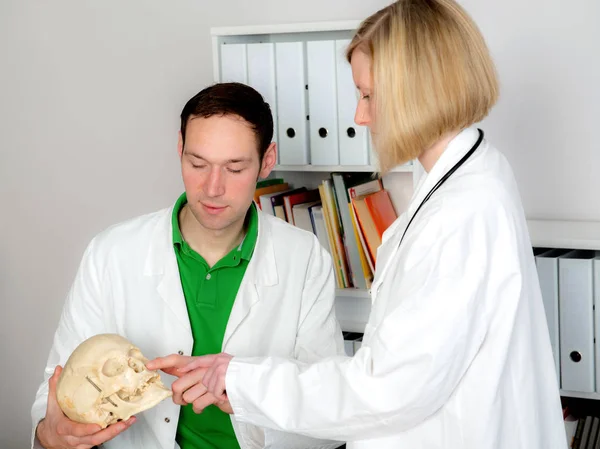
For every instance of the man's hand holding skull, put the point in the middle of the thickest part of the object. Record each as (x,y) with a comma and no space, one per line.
(56,431)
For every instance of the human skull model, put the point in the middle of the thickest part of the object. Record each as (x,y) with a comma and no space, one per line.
(105,380)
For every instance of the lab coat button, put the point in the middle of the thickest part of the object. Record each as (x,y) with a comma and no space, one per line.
(180,352)
(167,420)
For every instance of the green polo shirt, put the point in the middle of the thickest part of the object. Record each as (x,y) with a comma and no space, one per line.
(209,296)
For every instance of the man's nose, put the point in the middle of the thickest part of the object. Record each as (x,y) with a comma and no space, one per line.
(215,185)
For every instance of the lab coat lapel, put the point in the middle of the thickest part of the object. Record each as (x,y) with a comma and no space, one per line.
(261,273)
(456,149)
(161,261)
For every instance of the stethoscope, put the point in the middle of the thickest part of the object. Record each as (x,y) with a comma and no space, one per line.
(443,179)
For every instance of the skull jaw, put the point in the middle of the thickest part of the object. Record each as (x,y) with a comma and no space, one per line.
(152,396)
(104,413)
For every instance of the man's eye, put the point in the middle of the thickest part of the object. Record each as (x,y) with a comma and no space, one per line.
(198,166)
(231,170)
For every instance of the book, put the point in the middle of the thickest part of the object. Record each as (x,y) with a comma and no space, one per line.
(269,182)
(269,189)
(277,200)
(290,200)
(381,209)
(303,215)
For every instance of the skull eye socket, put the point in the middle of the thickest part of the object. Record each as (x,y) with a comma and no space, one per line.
(136,365)
(135,353)
(113,368)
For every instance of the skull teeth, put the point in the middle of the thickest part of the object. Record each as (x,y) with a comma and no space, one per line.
(129,396)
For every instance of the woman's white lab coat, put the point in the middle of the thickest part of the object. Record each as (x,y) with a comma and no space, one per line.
(128,283)
(456,353)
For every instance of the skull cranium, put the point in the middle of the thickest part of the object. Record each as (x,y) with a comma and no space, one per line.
(105,380)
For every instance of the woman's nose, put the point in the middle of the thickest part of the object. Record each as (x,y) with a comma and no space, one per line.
(361,117)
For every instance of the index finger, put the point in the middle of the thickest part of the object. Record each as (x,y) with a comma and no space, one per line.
(202,361)
(170,361)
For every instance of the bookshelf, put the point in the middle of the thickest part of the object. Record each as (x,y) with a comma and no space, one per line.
(339,168)
(353,305)
(565,234)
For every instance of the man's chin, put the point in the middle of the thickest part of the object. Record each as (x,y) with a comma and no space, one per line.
(215,224)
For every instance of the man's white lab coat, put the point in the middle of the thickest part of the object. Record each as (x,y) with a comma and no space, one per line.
(128,283)
(456,353)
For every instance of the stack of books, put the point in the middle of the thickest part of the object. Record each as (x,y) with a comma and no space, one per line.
(348,213)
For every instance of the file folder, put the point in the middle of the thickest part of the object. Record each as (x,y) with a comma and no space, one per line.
(352,137)
(352,342)
(546,261)
(261,76)
(234,64)
(322,100)
(596,264)
(291,103)
(576,304)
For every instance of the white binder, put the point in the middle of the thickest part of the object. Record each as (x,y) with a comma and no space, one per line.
(576,303)
(546,261)
(291,103)
(352,137)
(322,100)
(352,342)
(349,348)
(261,75)
(234,65)
(596,265)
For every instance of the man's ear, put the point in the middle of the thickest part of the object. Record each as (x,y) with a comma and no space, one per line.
(269,161)
(180,144)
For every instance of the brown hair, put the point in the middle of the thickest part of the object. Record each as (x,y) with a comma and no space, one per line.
(232,99)
(432,74)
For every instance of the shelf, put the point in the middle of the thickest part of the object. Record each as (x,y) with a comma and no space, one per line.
(579,394)
(565,234)
(286,28)
(339,168)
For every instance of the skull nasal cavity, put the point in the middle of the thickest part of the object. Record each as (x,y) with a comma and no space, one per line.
(113,368)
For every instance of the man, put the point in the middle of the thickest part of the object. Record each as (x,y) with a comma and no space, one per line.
(210,274)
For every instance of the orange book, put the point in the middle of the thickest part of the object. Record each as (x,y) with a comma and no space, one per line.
(367,226)
(365,257)
(381,209)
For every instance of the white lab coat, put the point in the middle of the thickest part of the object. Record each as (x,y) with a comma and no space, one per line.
(456,353)
(128,283)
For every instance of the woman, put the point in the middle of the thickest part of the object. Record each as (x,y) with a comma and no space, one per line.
(456,352)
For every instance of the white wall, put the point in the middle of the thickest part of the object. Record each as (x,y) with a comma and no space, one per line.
(90,93)
(90,97)
(548,116)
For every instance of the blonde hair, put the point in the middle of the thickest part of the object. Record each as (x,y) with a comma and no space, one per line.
(432,74)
